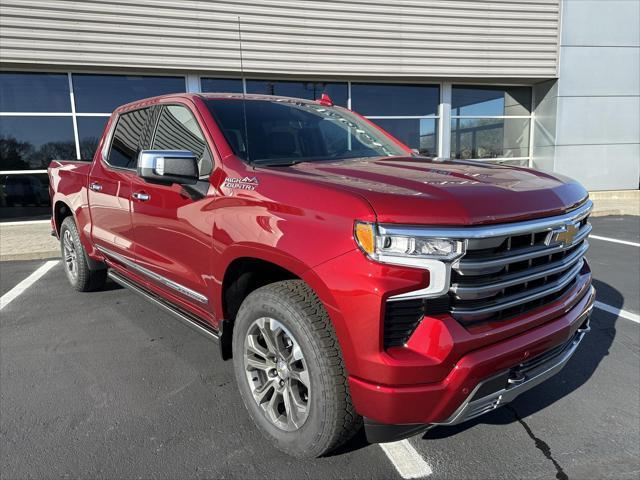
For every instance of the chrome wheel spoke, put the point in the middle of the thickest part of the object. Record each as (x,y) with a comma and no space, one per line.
(257,363)
(261,394)
(294,407)
(301,376)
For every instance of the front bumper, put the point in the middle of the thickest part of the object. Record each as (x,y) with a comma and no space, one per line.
(458,398)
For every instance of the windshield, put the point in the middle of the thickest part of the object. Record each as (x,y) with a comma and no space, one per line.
(287,132)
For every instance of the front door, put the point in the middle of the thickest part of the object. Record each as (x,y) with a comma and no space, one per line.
(171,223)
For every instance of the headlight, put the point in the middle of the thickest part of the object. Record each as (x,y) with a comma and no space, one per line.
(404,249)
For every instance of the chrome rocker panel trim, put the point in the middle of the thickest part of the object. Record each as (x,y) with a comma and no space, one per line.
(184,317)
(159,278)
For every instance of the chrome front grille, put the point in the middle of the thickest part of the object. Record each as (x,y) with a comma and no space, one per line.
(510,269)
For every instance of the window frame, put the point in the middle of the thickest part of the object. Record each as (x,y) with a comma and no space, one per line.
(530,117)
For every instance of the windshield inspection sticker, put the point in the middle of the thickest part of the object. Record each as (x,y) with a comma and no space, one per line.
(246,183)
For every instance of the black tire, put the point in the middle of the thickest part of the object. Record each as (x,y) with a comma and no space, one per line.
(331,419)
(81,277)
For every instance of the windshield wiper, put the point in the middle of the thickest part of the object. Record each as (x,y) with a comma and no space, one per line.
(265,162)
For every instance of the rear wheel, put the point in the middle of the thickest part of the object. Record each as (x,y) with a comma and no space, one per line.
(290,371)
(81,277)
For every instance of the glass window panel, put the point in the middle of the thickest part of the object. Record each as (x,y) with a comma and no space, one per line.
(297,131)
(178,130)
(421,134)
(32,142)
(34,92)
(489,137)
(394,99)
(125,145)
(24,196)
(472,101)
(339,92)
(221,85)
(90,131)
(104,93)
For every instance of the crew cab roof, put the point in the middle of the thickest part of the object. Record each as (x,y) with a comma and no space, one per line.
(147,102)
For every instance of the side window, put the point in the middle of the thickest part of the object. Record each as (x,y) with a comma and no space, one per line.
(178,130)
(125,145)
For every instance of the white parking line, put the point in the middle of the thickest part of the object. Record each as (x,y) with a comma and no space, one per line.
(615,240)
(406,459)
(15,292)
(634,317)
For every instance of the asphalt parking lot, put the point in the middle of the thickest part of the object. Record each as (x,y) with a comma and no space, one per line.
(107,385)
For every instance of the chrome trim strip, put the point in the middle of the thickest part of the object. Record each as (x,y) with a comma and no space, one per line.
(508,257)
(159,278)
(484,231)
(470,292)
(165,305)
(474,408)
(539,292)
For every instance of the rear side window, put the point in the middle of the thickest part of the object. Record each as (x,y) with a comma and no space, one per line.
(126,138)
(178,129)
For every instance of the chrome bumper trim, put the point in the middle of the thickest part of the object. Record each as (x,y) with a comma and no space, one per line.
(472,408)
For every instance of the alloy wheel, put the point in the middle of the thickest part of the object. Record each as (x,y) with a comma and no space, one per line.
(277,373)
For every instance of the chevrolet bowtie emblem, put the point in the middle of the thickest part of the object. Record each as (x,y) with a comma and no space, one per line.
(563,235)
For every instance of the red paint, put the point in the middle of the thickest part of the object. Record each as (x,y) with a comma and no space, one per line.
(301,218)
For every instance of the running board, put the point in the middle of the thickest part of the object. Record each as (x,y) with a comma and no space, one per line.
(187,318)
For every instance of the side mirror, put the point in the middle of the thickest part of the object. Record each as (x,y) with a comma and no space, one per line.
(168,166)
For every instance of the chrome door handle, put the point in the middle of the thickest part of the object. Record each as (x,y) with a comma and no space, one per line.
(95,186)
(140,196)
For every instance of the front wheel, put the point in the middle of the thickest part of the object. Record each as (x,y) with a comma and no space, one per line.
(81,277)
(290,370)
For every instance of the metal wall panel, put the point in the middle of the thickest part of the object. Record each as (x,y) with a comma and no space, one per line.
(328,38)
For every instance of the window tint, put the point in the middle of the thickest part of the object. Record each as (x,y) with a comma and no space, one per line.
(420,133)
(221,85)
(495,101)
(394,99)
(295,131)
(90,131)
(32,142)
(104,93)
(125,145)
(25,196)
(178,129)
(34,92)
(338,92)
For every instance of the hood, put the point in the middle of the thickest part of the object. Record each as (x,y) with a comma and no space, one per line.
(412,190)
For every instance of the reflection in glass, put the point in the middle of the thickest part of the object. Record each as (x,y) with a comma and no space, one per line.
(125,145)
(420,134)
(34,92)
(89,134)
(221,85)
(494,101)
(104,93)
(489,137)
(32,142)
(394,99)
(24,196)
(338,92)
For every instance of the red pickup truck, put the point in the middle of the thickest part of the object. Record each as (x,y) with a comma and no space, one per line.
(350,280)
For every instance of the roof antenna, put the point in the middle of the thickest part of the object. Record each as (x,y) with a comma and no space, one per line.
(244,103)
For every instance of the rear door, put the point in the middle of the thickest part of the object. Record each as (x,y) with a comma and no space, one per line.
(171,223)
(110,186)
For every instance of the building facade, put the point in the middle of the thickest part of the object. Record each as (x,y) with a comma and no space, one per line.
(552,84)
